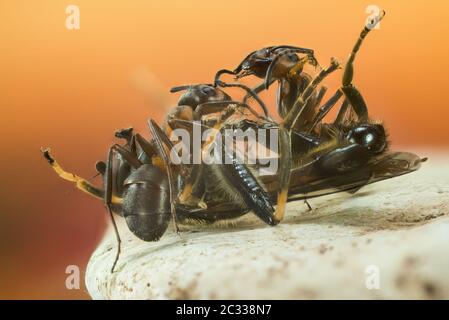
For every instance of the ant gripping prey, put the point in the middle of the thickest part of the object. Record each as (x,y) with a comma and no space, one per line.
(144,182)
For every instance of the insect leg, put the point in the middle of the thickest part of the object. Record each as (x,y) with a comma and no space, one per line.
(108,200)
(150,152)
(320,96)
(249,91)
(185,196)
(108,182)
(341,116)
(160,138)
(285,156)
(285,147)
(220,73)
(295,112)
(257,89)
(193,188)
(325,108)
(352,94)
(80,183)
(310,110)
(218,106)
(308,204)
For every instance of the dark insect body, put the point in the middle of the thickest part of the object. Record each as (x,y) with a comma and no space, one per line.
(142,184)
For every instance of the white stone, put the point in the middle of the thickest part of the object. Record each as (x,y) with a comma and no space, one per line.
(396,229)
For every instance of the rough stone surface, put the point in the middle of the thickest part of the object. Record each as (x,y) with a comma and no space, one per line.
(398,229)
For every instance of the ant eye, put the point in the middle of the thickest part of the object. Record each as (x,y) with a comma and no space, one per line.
(207,90)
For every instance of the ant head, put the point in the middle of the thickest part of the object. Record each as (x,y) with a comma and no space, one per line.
(195,95)
(258,62)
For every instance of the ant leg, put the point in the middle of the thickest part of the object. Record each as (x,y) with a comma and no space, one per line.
(193,183)
(195,174)
(257,89)
(160,138)
(150,152)
(308,204)
(342,113)
(285,156)
(309,111)
(220,73)
(285,147)
(185,197)
(249,91)
(219,106)
(108,182)
(108,201)
(194,177)
(295,112)
(127,155)
(325,108)
(145,145)
(352,94)
(198,189)
(80,183)
(320,96)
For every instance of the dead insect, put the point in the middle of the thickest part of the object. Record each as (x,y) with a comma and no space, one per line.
(138,179)
(144,185)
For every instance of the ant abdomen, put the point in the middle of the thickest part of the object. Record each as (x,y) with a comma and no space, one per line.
(146,203)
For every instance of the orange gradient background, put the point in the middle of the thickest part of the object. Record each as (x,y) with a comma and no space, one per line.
(72,89)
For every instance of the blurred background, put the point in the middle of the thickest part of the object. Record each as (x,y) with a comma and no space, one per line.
(71,89)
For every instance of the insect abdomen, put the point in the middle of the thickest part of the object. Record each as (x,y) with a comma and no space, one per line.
(146,203)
